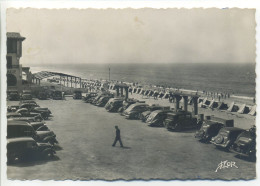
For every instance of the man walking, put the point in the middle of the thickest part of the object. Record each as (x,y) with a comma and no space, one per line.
(118,137)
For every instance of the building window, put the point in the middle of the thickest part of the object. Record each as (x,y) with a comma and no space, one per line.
(11,80)
(9,62)
(11,46)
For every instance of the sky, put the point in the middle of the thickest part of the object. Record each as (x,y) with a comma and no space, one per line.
(67,36)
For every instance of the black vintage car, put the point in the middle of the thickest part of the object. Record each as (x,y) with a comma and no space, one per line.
(157,117)
(13,96)
(152,108)
(32,102)
(26,97)
(125,105)
(89,96)
(56,95)
(96,99)
(77,94)
(114,104)
(25,113)
(31,107)
(134,111)
(210,128)
(42,95)
(37,126)
(26,148)
(245,144)
(180,120)
(20,129)
(226,137)
(102,101)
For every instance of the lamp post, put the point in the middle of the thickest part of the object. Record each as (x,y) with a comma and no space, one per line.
(109,73)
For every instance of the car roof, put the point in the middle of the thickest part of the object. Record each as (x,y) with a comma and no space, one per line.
(20,139)
(17,122)
(232,129)
(13,114)
(22,109)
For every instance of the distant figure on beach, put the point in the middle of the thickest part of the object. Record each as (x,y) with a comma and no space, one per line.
(118,137)
(63,95)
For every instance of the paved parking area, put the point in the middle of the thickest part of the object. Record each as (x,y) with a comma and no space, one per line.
(86,133)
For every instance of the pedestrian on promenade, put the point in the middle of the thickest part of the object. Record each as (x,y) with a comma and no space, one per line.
(118,137)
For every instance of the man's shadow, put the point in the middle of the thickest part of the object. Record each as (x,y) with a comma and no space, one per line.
(124,147)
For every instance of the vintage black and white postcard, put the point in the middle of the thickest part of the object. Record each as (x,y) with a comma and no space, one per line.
(129,91)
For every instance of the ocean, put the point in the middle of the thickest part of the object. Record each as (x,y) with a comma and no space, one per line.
(236,79)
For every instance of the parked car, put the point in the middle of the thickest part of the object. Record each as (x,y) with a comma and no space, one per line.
(134,111)
(245,144)
(37,126)
(152,108)
(77,94)
(211,127)
(32,102)
(20,129)
(27,92)
(28,106)
(45,112)
(42,95)
(96,99)
(180,120)
(13,115)
(226,137)
(25,113)
(13,96)
(114,104)
(89,95)
(27,148)
(30,119)
(102,101)
(56,95)
(127,103)
(26,97)
(157,117)
(90,100)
